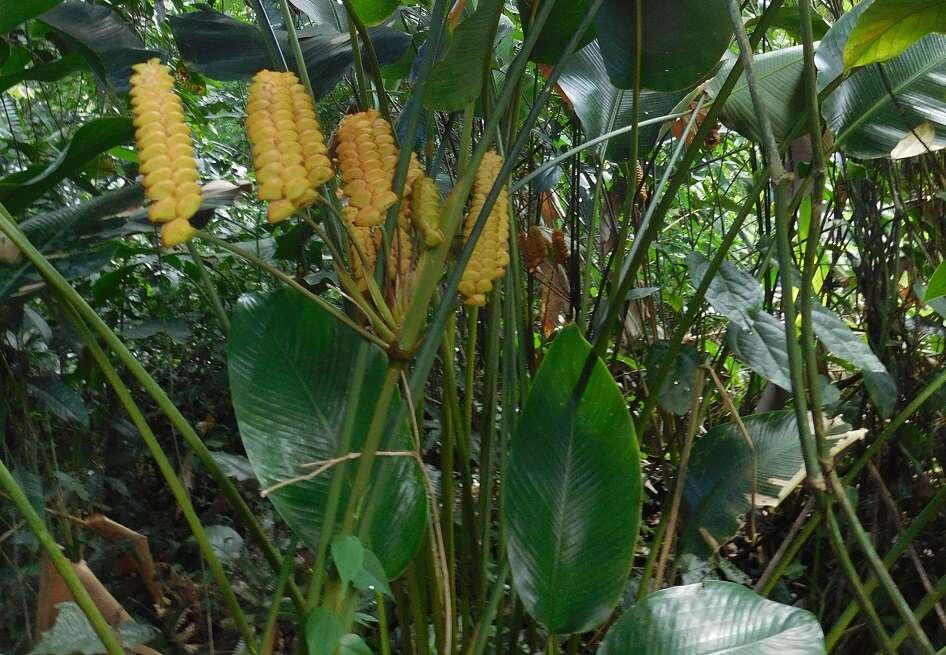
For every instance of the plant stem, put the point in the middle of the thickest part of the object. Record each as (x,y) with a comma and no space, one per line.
(355,19)
(886,581)
(268,640)
(166,468)
(55,280)
(63,566)
(210,288)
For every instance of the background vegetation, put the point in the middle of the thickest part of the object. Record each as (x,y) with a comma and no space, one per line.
(704,411)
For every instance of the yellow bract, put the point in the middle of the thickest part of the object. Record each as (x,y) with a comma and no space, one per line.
(491,253)
(367,157)
(425,211)
(288,147)
(165,151)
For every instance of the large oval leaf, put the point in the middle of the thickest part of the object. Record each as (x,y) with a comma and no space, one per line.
(584,81)
(829,57)
(718,490)
(682,41)
(457,79)
(889,27)
(572,493)
(780,76)
(713,617)
(558,30)
(899,110)
(292,370)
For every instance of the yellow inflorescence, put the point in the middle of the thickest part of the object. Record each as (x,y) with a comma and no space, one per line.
(425,211)
(491,253)
(367,157)
(165,152)
(289,151)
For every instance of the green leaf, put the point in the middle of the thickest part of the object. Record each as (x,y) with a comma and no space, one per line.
(561,25)
(762,347)
(206,41)
(292,374)
(371,577)
(789,20)
(676,396)
(72,633)
(718,487)
(572,493)
(50,71)
(780,75)
(19,190)
(713,617)
(109,44)
(323,631)
(59,398)
(732,292)
(937,285)
(829,57)
(457,79)
(584,81)
(14,12)
(682,41)
(888,27)
(348,555)
(843,342)
(898,112)
(373,12)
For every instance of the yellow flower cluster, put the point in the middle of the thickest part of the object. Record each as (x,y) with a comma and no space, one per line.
(289,150)
(165,152)
(491,253)
(367,157)
(425,211)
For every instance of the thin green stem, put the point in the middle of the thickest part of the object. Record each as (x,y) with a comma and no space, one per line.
(268,640)
(166,468)
(209,288)
(63,566)
(290,281)
(886,581)
(355,19)
(55,280)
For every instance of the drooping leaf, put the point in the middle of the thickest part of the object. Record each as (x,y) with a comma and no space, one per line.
(457,79)
(19,190)
(324,13)
(718,487)
(713,617)
(72,633)
(45,72)
(323,631)
(585,84)
(348,554)
(762,347)
(237,467)
(732,292)
(206,41)
(371,577)
(888,27)
(66,230)
(572,492)
(829,57)
(99,34)
(558,29)
(893,109)
(15,12)
(60,399)
(937,285)
(844,343)
(676,396)
(780,76)
(373,12)
(292,371)
(789,19)
(682,41)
